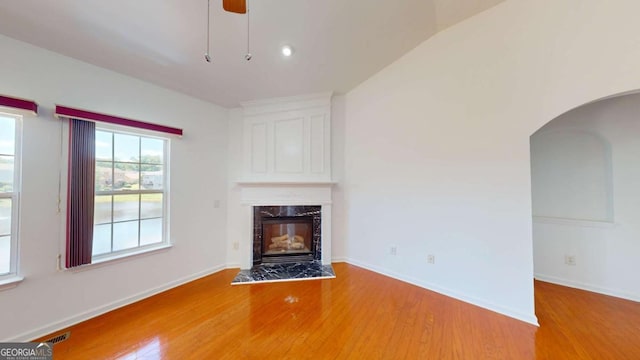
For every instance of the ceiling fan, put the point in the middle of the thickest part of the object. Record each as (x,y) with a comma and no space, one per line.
(234,6)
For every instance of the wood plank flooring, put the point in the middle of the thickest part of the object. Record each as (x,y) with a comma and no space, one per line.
(358,315)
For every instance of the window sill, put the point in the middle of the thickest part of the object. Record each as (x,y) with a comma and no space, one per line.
(11,282)
(574,222)
(121,257)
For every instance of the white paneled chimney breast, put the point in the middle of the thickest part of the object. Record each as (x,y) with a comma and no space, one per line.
(287,139)
(286,162)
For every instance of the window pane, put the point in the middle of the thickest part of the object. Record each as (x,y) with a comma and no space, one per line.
(104,145)
(5,217)
(5,254)
(126,164)
(125,176)
(152,177)
(151,206)
(7,135)
(126,148)
(101,239)
(126,207)
(152,151)
(102,213)
(150,231)
(104,176)
(6,173)
(125,235)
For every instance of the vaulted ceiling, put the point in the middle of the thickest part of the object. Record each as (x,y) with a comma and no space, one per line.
(337,43)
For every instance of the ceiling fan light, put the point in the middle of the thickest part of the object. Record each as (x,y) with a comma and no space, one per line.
(287,51)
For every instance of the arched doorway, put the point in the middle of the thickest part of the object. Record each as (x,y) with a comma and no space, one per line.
(585,178)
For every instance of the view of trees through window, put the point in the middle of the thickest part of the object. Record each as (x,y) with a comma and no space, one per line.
(130,192)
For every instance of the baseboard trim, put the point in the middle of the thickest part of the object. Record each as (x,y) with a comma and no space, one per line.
(587,287)
(73,320)
(530,319)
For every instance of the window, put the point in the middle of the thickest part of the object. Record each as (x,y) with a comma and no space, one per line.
(117,193)
(130,193)
(9,193)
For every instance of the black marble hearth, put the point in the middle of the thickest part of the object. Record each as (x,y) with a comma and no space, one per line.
(284,272)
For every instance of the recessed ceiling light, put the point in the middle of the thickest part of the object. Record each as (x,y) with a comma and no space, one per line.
(287,50)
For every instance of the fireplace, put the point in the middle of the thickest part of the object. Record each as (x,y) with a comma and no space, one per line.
(284,238)
(285,234)
(268,201)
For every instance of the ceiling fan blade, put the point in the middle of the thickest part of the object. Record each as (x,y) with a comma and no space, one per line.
(235,6)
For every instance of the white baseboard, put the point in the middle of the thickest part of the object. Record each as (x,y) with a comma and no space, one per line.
(339,259)
(72,320)
(528,318)
(588,287)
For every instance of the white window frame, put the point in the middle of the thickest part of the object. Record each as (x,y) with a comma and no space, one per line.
(118,254)
(122,255)
(12,278)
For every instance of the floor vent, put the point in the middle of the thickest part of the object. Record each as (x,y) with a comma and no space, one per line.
(59,338)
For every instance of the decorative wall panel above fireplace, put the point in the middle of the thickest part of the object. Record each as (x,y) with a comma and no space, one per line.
(287,139)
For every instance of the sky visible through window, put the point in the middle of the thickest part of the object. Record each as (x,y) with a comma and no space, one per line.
(127,147)
(7,154)
(7,134)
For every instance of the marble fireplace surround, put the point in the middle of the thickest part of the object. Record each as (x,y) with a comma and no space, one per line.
(284,194)
(310,215)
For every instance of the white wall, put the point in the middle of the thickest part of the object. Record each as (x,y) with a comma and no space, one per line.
(340,217)
(235,171)
(49,299)
(607,251)
(437,144)
(571,174)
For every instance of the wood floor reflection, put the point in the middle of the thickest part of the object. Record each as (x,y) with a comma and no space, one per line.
(358,315)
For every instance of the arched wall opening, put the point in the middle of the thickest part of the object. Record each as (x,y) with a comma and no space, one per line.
(585,176)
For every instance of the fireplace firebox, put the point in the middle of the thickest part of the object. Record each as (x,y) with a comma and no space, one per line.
(284,234)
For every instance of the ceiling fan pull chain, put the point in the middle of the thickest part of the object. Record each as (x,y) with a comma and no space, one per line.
(207,57)
(248,56)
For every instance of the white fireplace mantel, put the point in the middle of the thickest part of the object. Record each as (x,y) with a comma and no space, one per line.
(285,193)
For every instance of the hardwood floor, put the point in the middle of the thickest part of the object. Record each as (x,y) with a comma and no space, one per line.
(358,315)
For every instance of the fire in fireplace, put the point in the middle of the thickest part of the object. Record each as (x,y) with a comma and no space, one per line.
(286,234)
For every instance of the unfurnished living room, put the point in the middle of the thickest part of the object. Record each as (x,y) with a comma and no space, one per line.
(298,179)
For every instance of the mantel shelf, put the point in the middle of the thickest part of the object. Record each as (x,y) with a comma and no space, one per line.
(286,183)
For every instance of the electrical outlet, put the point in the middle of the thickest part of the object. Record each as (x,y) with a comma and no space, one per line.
(393,250)
(431,259)
(570,260)
(236,245)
